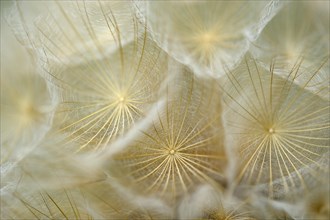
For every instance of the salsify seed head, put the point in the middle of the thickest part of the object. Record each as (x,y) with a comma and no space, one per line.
(207,35)
(278,129)
(105,87)
(182,147)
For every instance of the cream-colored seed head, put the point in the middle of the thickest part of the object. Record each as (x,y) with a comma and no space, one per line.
(279,130)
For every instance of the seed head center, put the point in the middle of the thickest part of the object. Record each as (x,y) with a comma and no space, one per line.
(28,111)
(208,39)
(271,130)
(172,152)
(121,99)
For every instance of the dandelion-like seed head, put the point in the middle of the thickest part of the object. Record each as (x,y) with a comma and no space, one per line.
(25,113)
(104,91)
(286,39)
(279,129)
(204,34)
(181,148)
